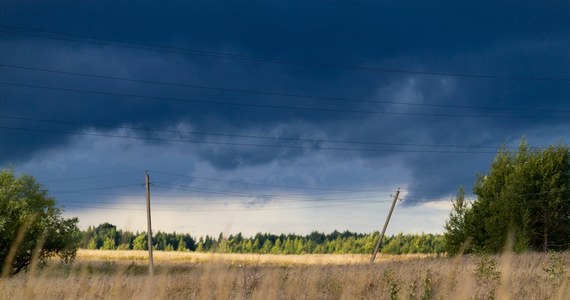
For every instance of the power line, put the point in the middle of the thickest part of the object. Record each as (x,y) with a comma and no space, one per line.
(232,193)
(272,93)
(119,194)
(264,184)
(239,194)
(378,5)
(220,193)
(349,202)
(189,196)
(146,129)
(259,59)
(227,192)
(229,210)
(280,107)
(257,209)
(238,144)
(336,190)
(90,177)
(97,188)
(226,202)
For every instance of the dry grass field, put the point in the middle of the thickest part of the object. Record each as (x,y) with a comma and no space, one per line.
(123,275)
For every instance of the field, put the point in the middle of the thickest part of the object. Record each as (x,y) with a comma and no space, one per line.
(123,275)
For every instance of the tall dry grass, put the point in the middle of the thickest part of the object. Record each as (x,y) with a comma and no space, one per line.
(123,275)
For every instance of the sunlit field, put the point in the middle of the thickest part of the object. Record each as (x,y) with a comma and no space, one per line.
(100,274)
(259,259)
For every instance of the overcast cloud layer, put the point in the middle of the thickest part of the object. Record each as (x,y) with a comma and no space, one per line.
(262,115)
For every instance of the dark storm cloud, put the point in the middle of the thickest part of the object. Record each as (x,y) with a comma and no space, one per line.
(509,39)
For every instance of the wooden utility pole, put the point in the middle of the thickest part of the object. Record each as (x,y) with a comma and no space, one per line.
(377,248)
(149,232)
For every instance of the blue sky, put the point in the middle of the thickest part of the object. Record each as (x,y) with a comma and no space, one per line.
(275,116)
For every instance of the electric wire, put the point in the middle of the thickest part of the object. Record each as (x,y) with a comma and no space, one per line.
(96,188)
(231,201)
(89,177)
(234,56)
(225,192)
(222,193)
(215,180)
(264,184)
(458,16)
(253,208)
(279,107)
(272,93)
(227,210)
(218,134)
(314,148)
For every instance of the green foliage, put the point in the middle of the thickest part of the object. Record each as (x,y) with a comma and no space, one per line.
(486,269)
(140,242)
(455,228)
(320,243)
(200,247)
(182,245)
(392,283)
(31,224)
(554,268)
(526,193)
(428,285)
(487,275)
(107,236)
(92,245)
(108,244)
(102,236)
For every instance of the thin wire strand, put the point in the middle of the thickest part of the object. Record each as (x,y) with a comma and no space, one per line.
(226,192)
(283,94)
(149,130)
(228,210)
(226,202)
(457,16)
(264,184)
(259,59)
(279,107)
(90,177)
(239,144)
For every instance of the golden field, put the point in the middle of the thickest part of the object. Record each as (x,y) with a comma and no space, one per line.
(98,274)
(259,259)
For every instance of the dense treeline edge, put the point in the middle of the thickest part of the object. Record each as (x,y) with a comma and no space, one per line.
(107,237)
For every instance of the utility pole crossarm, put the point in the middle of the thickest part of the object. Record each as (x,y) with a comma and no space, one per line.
(377,248)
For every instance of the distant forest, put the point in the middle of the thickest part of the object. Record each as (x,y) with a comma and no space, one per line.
(107,237)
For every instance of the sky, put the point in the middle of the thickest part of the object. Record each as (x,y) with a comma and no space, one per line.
(275,116)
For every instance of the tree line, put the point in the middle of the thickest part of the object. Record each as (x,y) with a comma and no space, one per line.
(106,236)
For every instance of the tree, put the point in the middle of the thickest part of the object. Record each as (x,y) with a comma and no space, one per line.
(92,245)
(182,244)
(455,228)
(526,195)
(200,247)
(140,242)
(108,244)
(31,225)
(267,245)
